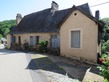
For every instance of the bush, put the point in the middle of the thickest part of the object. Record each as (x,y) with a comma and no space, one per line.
(43,43)
(104,59)
(1,36)
(104,69)
(26,45)
(105,47)
(43,46)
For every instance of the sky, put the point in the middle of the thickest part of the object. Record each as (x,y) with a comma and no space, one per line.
(9,8)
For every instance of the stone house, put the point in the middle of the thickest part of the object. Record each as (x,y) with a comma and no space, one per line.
(74,31)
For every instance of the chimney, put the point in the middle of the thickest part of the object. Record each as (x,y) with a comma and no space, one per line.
(97,14)
(54,7)
(18,18)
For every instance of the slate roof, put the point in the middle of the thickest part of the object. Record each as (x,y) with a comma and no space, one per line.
(45,20)
(86,8)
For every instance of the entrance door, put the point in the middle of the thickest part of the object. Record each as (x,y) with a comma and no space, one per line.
(55,41)
(32,40)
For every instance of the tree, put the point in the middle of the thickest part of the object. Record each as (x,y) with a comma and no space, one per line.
(5,31)
(6,26)
(105,28)
(1,36)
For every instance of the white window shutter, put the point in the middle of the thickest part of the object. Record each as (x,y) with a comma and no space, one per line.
(75,39)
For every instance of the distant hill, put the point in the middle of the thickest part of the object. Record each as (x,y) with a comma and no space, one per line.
(6,26)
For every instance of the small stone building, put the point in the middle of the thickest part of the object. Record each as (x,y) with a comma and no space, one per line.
(74,31)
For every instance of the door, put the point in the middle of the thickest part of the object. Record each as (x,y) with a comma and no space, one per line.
(55,41)
(19,40)
(32,40)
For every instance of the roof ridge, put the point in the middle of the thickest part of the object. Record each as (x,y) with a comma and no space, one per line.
(38,11)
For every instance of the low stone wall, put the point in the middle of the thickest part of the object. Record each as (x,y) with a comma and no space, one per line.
(92,77)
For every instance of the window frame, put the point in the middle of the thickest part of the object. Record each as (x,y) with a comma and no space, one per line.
(78,29)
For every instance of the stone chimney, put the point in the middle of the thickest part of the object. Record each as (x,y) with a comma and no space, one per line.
(97,14)
(54,7)
(18,18)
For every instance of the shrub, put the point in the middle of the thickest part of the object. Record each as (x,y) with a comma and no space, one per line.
(15,46)
(26,45)
(105,47)
(104,69)
(43,46)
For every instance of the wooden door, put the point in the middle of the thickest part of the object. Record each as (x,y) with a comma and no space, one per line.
(19,40)
(55,41)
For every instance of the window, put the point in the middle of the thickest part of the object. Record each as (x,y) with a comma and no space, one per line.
(75,39)
(34,40)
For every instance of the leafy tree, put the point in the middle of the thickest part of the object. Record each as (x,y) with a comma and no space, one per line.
(6,26)
(1,36)
(105,42)
(105,28)
(5,31)
(105,47)
(104,68)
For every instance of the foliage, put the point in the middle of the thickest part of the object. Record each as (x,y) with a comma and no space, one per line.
(104,69)
(5,31)
(43,43)
(105,47)
(43,46)
(1,36)
(6,26)
(106,27)
(26,45)
(15,46)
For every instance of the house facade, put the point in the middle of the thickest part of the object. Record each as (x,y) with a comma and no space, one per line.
(74,31)
(79,37)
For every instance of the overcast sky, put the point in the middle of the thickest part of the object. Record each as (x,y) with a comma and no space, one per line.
(9,8)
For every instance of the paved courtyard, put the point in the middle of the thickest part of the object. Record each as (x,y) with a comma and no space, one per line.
(18,66)
(14,68)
